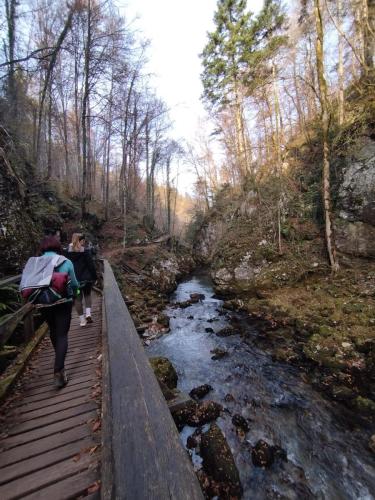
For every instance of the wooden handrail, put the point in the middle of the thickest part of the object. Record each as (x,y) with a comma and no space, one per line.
(11,322)
(143,455)
(10,281)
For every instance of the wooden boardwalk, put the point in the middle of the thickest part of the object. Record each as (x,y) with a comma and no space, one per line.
(50,438)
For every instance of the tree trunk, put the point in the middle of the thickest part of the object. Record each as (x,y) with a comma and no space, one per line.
(325,128)
(369,36)
(10,8)
(49,72)
(84,111)
(278,156)
(168,187)
(108,148)
(341,61)
(49,132)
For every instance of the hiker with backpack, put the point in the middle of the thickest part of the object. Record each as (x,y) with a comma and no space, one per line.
(85,271)
(49,282)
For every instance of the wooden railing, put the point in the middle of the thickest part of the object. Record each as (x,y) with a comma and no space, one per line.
(143,457)
(11,321)
(30,339)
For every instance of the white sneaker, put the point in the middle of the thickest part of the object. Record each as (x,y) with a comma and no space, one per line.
(82,321)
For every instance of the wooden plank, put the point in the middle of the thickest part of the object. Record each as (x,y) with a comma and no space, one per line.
(73,356)
(49,354)
(9,324)
(27,405)
(72,487)
(45,477)
(38,418)
(74,373)
(44,460)
(148,459)
(44,445)
(85,380)
(37,383)
(73,364)
(48,430)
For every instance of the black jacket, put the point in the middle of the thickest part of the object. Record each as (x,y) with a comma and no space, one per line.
(84,266)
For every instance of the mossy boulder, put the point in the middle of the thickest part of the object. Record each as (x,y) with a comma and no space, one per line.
(218,462)
(164,371)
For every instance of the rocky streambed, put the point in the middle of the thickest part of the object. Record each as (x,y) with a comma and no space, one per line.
(287,441)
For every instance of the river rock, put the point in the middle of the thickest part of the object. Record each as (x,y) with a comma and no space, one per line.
(201,391)
(240,422)
(191,442)
(206,412)
(164,371)
(343,393)
(219,464)
(168,393)
(184,305)
(163,320)
(190,317)
(229,398)
(209,330)
(263,454)
(197,414)
(196,297)
(218,353)
(228,331)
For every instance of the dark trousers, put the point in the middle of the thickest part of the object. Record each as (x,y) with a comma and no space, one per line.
(86,295)
(58,320)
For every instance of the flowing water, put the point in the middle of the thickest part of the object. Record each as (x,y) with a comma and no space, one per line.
(326,458)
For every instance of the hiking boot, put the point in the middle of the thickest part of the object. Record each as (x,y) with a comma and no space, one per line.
(60,379)
(88,319)
(82,321)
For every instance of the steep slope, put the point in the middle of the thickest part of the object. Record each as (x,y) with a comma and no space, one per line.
(313,318)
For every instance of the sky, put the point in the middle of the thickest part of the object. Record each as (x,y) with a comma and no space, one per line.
(177,30)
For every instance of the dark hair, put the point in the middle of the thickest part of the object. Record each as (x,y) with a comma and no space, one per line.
(82,237)
(50,243)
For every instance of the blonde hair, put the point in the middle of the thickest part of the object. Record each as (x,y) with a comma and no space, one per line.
(76,242)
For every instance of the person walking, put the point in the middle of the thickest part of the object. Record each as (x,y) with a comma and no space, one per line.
(58,315)
(85,271)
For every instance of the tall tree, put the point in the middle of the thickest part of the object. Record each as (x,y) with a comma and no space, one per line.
(323,93)
(234,61)
(223,61)
(10,10)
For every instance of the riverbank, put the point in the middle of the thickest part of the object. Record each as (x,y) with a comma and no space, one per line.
(324,324)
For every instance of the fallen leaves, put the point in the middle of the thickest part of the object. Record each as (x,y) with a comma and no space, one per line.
(93,488)
(96,425)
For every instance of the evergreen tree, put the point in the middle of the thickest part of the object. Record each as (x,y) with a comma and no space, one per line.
(237,49)
(223,55)
(234,61)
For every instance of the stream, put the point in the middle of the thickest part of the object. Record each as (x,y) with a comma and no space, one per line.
(326,458)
